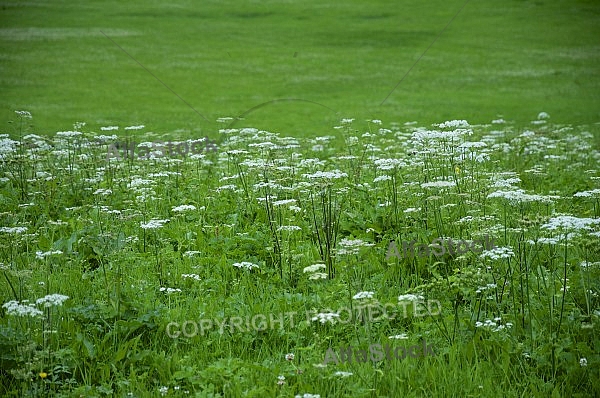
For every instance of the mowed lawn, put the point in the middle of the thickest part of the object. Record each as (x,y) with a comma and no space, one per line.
(70,61)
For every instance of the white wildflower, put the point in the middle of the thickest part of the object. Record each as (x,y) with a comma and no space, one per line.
(410,297)
(497,253)
(191,276)
(183,208)
(41,255)
(13,230)
(154,224)
(245,264)
(325,317)
(52,300)
(363,295)
(14,308)
(571,223)
(438,184)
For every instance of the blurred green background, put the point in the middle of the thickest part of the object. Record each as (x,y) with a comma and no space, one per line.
(513,58)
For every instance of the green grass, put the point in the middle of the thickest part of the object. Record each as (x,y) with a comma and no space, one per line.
(514,59)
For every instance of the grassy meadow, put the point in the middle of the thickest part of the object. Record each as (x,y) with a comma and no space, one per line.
(249,199)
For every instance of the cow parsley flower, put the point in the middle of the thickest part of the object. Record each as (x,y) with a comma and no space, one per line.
(52,300)
(343,374)
(438,184)
(453,124)
(154,224)
(410,297)
(169,290)
(24,114)
(183,208)
(389,164)
(570,223)
(349,246)
(384,177)
(69,134)
(13,307)
(289,228)
(325,317)
(588,194)
(41,255)
(401,336)
(497,253)
(13,230)
(494,325)
(326,175)
(519,196)
(245,264)
(191,276)
(363,295)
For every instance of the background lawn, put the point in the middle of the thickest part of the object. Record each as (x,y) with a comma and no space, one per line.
(514,58)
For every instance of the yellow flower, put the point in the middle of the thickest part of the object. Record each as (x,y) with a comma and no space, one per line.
(457,169)
(43,375)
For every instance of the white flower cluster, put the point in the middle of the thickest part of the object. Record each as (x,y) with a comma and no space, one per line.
(325,317)
(191,276)
(453,124)
(570,222)
(588,194)
(169,290)
(24,114)
(103,192)
(137,182)
(343,374)
(314,271)
(486,287)
(245,264)
(349,246)
(493,325)
(363,295)
(52,300)
(410,297)
(438,184)
(383,177)
(69,134)
(13,230)
(401,336)
(14,308)
(519,196)
(289,228)
(389,164)
(326,175)
(154,224)
(284,202)
(425,135)
(497,253)
(183,208)
(41,255)
(24,308)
